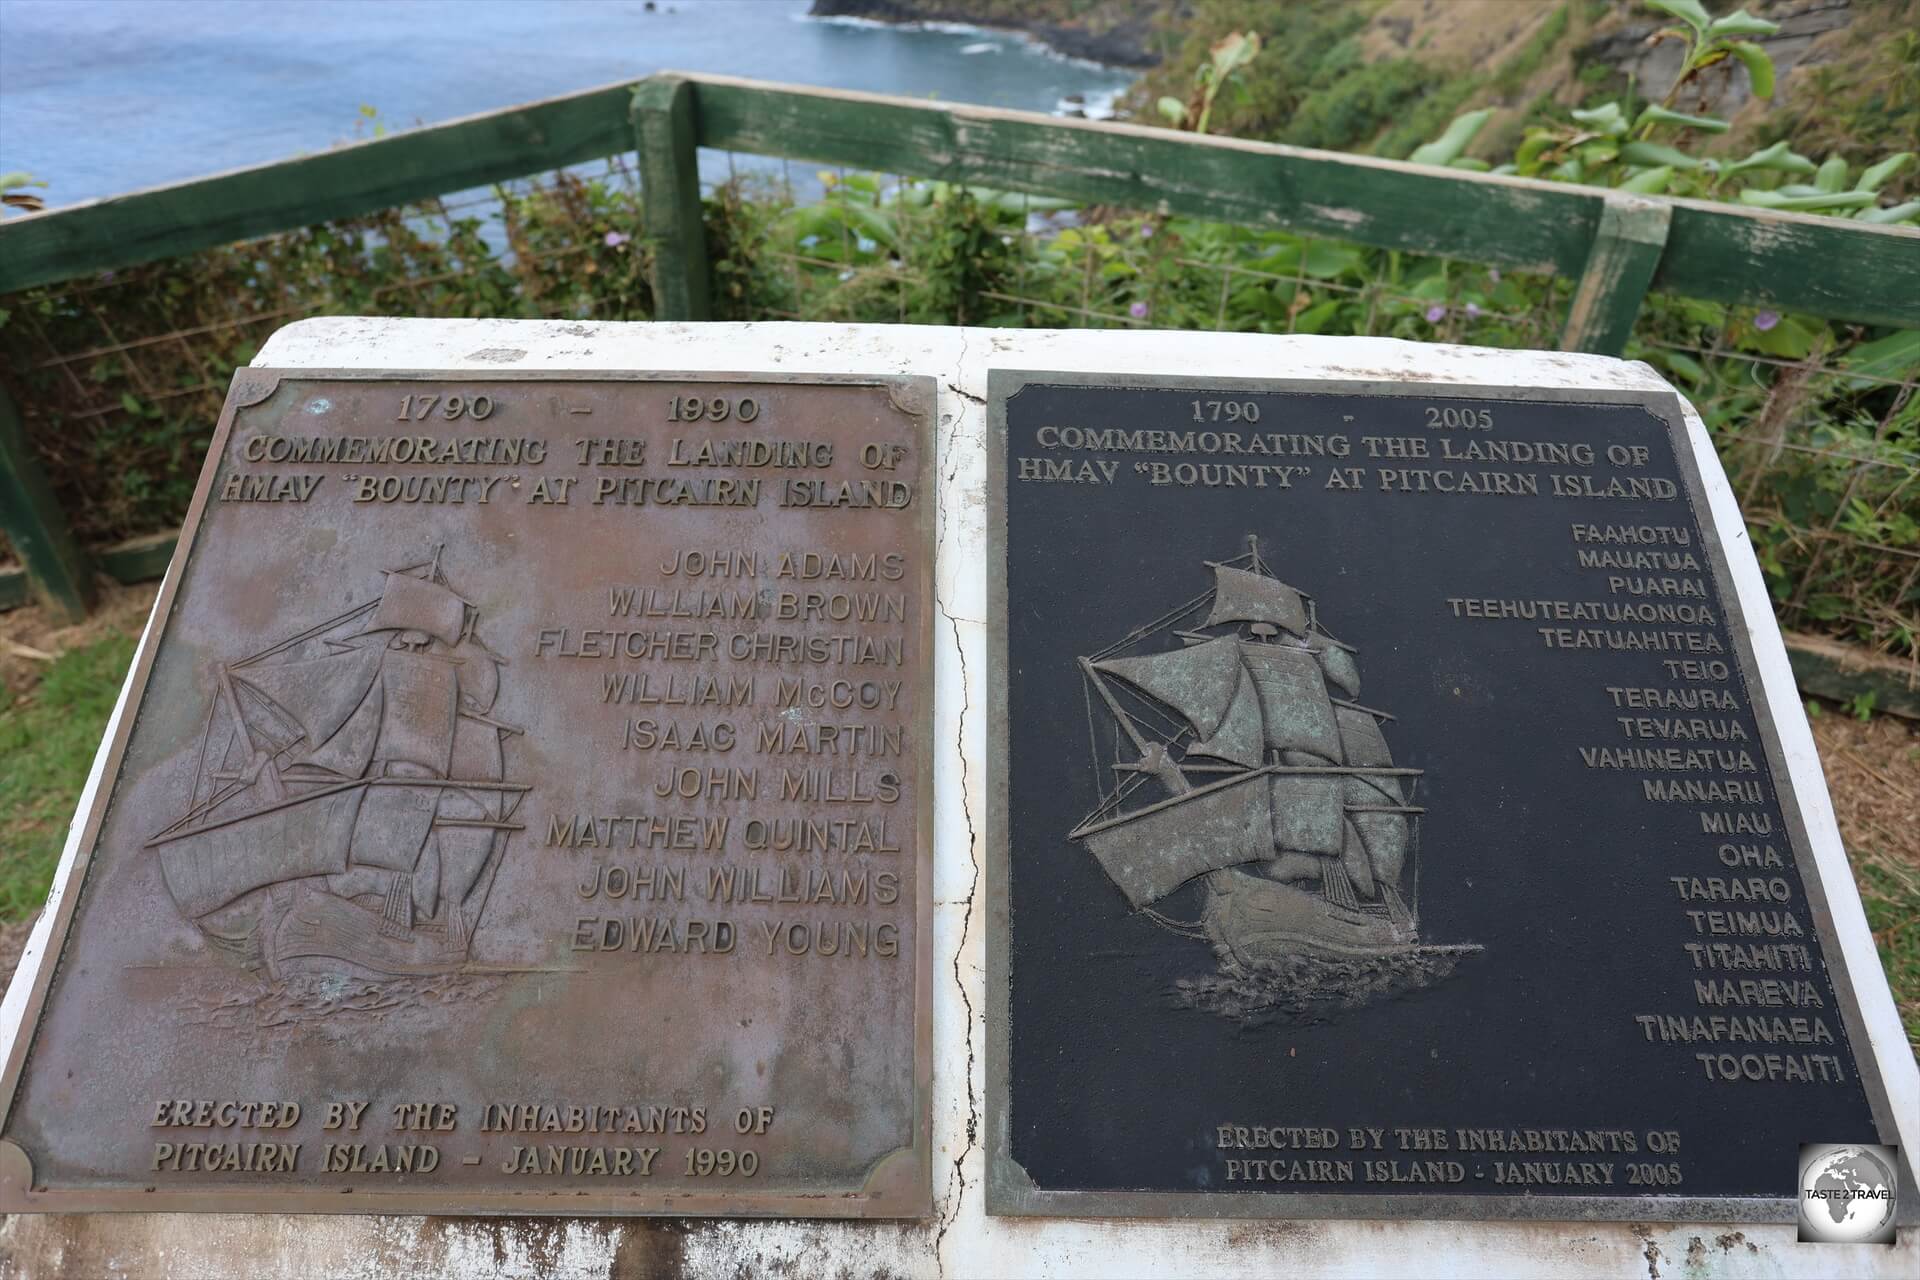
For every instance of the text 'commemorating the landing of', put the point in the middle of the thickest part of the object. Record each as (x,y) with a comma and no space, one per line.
(1391,821)
(526,799)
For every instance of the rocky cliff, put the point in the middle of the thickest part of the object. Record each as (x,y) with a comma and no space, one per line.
(1121,33)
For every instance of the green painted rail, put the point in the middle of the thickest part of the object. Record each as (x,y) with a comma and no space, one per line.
(1616,247)
(345,182)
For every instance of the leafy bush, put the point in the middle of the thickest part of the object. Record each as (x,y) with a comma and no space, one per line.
(1649,148)
(122,377)
(1817,422)
(1309,48)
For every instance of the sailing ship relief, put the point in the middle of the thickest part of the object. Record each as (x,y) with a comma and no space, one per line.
(350,807)
(1241,759)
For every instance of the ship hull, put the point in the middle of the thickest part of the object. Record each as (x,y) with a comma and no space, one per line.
(324,932)
(307,836)
(1257,921)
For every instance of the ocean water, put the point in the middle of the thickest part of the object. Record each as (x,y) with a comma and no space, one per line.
(99,97)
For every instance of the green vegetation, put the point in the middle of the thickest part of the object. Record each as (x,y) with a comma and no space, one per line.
(14,193)
(1317,86)
(1793,433)
(1331,78)
(123,431)
(47,743)
(1890,890)
(1840,391)
(1233,54)
(1862,99)
(124,425)
(559,248)
(1311,87)
(122,376)
(1649,150)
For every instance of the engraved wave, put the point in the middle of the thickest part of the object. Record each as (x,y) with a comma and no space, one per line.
(1305,989)
(313,998)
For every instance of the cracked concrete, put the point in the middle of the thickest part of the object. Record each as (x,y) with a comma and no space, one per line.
(959,1238)
(958,1190)
(950,458)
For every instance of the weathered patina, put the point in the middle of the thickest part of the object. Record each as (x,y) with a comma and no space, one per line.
(525,808)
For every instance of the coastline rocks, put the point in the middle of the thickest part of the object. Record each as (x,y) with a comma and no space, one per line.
(1115,34)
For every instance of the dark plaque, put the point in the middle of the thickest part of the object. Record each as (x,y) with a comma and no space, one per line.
(524,806)
(1386,817)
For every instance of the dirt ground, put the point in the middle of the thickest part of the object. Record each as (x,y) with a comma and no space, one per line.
(1872,767)
(13,940)
(1454,33)
(30,641)
(1873,774)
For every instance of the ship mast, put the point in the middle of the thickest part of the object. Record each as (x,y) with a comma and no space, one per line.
(1154,758)
(1257,686)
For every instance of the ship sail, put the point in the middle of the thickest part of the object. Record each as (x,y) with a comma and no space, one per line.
(1297,719)
(419,695)
(1372,800)
(1242,731)
(1207,685)
(319,694)
(1295,709)
(207,868)
(350,750)
(1240,596)
(420,604)
(358,755)
(1310,794)
(1336,662)
(278,812)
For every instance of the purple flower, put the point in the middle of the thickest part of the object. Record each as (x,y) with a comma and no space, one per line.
(1138,311)
(1765,320)
(614,239)
(1436,313)
(1146,231)
(1473,311)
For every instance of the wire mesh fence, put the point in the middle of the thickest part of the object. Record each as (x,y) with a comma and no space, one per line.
(1818,427)
(121,377)
(1817,424)
(883,247)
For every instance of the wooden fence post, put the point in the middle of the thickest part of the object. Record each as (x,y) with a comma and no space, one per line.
(57,570)
(1626,250)
(664,128)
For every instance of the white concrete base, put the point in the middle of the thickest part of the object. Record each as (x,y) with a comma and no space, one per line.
(960,1240)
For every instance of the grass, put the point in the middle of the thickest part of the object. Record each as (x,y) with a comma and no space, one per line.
(1891,893)
(47,742)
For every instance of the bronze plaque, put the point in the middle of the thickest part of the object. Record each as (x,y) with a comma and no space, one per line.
(522,806)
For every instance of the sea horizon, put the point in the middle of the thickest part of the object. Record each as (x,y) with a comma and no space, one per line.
(100,98)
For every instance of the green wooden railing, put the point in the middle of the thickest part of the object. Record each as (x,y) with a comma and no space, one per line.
(1615,246)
